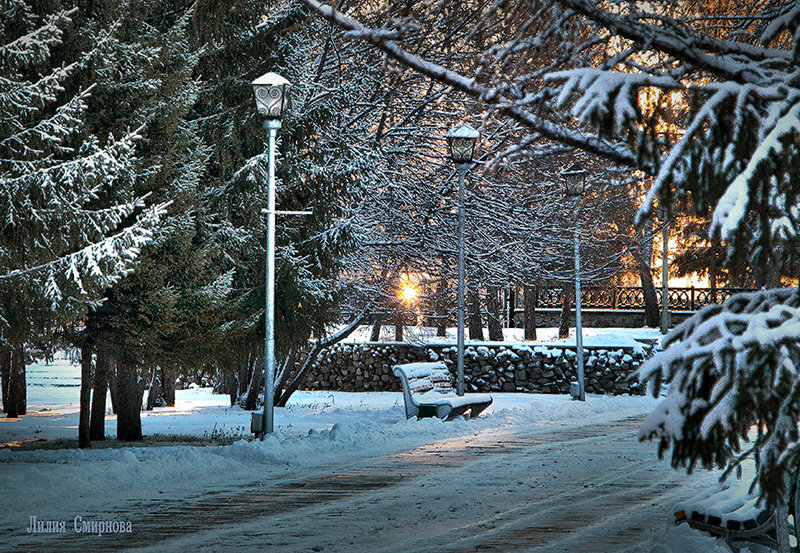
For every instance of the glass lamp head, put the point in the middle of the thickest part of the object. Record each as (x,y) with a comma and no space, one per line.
(461,141)
(272,95)
(575,179)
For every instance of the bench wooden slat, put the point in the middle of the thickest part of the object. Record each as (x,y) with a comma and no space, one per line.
(428,391)
(733,514)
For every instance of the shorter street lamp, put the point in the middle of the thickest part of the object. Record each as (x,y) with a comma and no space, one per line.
(272,94)
(461,141)
(665,316)
(575,179)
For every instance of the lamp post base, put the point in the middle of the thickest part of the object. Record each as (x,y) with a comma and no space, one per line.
(257,424)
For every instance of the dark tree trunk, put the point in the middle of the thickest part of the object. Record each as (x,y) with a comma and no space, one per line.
(170,375)
(774,268)
(642,257)
(129,403)
(566,311)
(475,321)
(493,318)
(712,269)
(398,326)
(441,308)
(155,394)
(512,307)
(97,422)
(256,384)
(244,379)
(17,391)
(375,334)
(5,376)
(85,396)
(282,396)
(232,384)
(12,410)
(529,306)
(112,386)
(651,310)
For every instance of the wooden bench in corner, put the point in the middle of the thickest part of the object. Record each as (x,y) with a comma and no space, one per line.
(428,392)
(730,511)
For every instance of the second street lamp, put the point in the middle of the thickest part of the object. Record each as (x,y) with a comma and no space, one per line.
(272,94)
(575,179)
(461,141)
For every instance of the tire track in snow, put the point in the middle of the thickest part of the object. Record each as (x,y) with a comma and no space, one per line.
(539,523)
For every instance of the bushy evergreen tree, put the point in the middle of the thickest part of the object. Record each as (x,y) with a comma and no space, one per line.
(160,317)
(320,166)
(72,221)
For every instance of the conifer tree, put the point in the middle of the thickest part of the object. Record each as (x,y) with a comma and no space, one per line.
(321,161)
(72,222)
(159,318)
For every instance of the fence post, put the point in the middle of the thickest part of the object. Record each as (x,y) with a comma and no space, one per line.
(692,300)
(614,297)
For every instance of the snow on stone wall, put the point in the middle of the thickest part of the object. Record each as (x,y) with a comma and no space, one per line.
(495,367)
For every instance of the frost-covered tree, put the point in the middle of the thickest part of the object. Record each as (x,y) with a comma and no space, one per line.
(322,158)
(72,222)
(519,224)
(162,317)
(702,97)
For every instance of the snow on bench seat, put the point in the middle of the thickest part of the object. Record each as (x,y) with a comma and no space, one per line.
(723,505)
(730,510)
(428,391)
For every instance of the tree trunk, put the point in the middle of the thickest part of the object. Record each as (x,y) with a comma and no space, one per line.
(651,310)
(5,375)
(170,375)
(85,396)
(282,396)
(129,403)
(375,334)
(529,306)
(774,267)
(256,384)
(155,394)
(441,308)
(512,307)
(398,326)
(97,421)
(17,392)
(642,256)
(494,318)
(712,269)
(566,311)
(244,379)
(475,321)
(112,386)
(233,387)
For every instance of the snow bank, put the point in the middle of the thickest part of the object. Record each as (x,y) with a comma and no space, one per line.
(683,539)
(315,430)
(600,337)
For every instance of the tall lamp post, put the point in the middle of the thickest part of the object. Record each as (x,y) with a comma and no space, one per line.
(272,93)
(575,179)
(461,141)
(665,315)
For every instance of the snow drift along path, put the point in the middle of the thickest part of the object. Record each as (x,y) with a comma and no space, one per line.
(588,489)
(347,472)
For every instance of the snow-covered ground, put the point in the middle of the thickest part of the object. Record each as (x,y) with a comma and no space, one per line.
(594,337)
(531,460)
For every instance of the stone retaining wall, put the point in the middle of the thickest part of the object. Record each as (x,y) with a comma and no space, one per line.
(489,367)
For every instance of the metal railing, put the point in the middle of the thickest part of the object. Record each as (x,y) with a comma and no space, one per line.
(632,297)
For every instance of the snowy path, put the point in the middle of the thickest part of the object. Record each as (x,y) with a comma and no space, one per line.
(588,489)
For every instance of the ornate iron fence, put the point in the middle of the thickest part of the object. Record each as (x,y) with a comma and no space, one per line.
(632,297)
